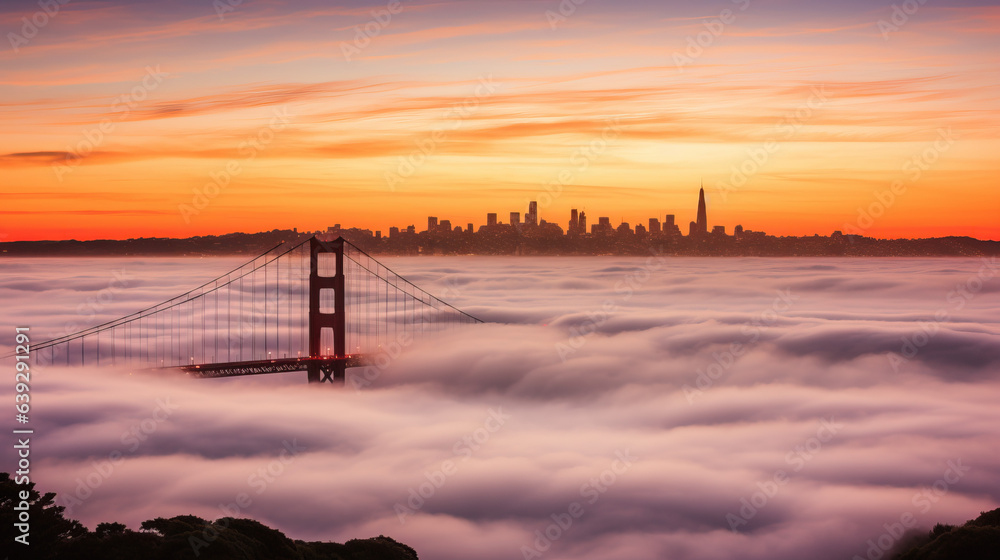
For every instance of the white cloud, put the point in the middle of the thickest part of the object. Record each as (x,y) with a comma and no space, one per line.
(622,387)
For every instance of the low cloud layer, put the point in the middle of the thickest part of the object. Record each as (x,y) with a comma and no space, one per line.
(629,408)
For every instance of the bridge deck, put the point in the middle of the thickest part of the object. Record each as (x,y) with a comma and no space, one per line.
(279,365)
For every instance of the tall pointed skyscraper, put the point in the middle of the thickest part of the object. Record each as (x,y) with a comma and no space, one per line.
(702,213)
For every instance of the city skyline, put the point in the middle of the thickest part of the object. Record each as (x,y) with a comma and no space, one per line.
(577,224)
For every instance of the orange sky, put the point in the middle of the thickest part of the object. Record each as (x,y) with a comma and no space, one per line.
(127,120)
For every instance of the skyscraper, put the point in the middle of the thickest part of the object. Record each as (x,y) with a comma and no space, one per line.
(531,218)
(491,219)
(583,222)
(573,221)
(604,224)
(515,218)
(432,223)
(702,213)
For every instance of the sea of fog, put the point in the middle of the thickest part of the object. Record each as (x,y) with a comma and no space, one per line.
(637,408)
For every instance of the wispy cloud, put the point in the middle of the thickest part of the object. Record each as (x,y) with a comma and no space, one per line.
(823,360)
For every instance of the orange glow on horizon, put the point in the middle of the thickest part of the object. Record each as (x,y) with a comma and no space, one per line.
(280,126)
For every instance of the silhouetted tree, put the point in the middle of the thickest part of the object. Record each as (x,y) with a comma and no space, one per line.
(48,527)
(180,537)
(978,539)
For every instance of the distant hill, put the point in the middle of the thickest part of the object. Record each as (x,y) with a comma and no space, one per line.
(52,536)
(504,239)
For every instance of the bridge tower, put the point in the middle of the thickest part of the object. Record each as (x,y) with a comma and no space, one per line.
(321,367)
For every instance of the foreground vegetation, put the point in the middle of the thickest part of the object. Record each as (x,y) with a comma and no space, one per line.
(978,539)
(184,536)
(53,536)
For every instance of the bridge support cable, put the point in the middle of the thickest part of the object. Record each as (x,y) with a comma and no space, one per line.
(215,320)
(317,306)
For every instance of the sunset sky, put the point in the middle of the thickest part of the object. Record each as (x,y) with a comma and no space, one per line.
(117,114)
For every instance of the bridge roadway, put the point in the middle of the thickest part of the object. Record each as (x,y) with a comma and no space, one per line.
(277,365)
